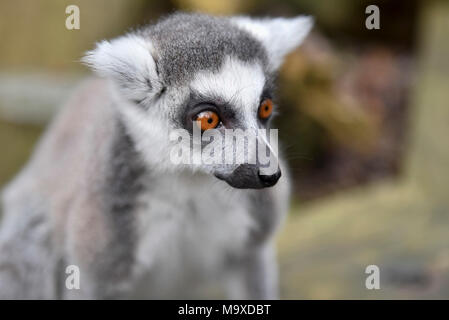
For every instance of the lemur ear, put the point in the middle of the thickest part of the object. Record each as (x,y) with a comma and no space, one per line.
(279,35)
(129,62)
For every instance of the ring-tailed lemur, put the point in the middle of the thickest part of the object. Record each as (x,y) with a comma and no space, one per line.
(101,193)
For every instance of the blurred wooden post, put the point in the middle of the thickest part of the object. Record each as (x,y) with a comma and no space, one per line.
(429,143)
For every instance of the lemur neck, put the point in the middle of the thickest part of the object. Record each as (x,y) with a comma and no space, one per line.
(126,171)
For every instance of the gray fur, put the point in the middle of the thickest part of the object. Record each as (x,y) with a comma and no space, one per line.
(122,187)
(188,43)
(100,192)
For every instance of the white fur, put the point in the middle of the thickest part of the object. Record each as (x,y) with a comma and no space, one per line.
(241,84)
(237,82)
(279,35)
(188,220)
(129,55)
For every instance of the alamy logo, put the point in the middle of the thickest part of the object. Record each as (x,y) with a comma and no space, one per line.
(373,20)
(73,20)
(228,147)
(73,279)
(373,280)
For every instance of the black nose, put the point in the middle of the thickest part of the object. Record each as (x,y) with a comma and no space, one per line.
(269,180)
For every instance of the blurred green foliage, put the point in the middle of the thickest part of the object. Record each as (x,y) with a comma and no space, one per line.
(17,143)
(399,225)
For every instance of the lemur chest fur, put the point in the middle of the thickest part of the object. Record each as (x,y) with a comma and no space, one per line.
(188,222)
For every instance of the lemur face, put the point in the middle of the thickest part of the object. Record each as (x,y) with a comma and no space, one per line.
(203,75)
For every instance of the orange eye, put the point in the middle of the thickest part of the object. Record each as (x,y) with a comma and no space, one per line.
(207,120)
(265,109)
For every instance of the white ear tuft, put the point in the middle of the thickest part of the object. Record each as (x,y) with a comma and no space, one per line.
(129,62)
(278,35)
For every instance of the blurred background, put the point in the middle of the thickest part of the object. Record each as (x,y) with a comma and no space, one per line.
(364,120)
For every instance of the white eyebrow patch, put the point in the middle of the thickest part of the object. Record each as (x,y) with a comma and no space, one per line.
(237,82)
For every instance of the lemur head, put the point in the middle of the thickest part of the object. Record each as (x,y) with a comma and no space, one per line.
(197,72)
